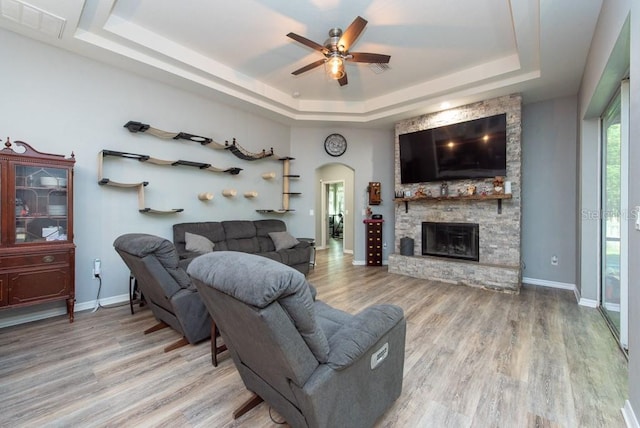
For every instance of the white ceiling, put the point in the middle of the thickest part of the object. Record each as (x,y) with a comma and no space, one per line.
(454,51)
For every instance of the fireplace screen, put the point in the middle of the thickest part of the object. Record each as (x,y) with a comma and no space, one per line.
(454,240)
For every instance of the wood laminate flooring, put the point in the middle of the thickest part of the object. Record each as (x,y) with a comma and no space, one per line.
(474,358)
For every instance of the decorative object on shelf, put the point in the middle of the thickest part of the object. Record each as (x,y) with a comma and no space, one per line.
(399,194)
(269,175)
(368,212)
(374,193)
(37,253)
(420,193)
(471,189)
(444,189)
(429,193)
(205,196)
(233,147)
(251,194)
(507,187)
(476,197)
(498,185)
(229,192)
(335,145)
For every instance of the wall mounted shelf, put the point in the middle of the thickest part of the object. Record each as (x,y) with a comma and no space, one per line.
(427,199)
(286,193)
(102,181)
(233,147)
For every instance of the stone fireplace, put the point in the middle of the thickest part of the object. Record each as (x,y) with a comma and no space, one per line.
(497,262)
(452,240)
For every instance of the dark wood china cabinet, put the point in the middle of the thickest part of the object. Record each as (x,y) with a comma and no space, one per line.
(37,253)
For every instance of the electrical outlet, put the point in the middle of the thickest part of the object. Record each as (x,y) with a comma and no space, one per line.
(554,260)
(97,268)
(384,245)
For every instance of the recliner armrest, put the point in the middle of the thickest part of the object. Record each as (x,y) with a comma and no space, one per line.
(354,339)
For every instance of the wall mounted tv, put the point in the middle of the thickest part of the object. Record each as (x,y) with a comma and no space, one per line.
(465,150)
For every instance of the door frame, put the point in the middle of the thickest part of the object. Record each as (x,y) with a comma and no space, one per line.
(324,221)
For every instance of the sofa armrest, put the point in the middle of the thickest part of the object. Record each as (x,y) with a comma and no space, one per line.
(356,337)
(302,244)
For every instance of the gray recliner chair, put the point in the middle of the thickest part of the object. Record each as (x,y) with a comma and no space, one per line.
(315,365)
(166,287)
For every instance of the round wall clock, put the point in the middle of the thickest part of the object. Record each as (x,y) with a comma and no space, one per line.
(335,145)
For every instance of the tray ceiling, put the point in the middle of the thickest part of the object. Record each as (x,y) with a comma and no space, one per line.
(457,51)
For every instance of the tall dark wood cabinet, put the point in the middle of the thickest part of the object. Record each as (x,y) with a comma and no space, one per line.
(37,253)
(373,246)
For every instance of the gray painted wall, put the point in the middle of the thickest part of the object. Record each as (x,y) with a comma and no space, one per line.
(549,190)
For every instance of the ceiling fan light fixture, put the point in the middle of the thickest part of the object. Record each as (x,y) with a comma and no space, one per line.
(335,67)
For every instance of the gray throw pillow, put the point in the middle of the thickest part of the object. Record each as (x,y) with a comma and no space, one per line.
(283,240)
(197,243)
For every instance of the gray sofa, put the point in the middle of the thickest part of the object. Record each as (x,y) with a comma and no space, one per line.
(247,236)
(316,365)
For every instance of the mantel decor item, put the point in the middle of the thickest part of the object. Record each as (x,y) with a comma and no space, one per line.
(444,189)
(335,145)
(498,185)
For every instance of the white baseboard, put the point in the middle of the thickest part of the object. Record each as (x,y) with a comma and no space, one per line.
(37,314)
(629,416)
(563,286)
(547,283)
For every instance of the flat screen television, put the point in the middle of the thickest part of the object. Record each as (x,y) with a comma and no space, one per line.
(466,150)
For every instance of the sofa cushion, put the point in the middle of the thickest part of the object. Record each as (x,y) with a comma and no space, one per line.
(263,227)
(241,236)
(197,243)
(259,281)
(283,240)
(212,230)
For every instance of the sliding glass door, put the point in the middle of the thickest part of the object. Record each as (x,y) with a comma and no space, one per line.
(615,216)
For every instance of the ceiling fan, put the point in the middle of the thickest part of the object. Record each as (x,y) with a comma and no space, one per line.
(336,51)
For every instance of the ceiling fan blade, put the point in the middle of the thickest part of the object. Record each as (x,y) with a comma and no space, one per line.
(343,80)
(307,42)
(370,58)
(352,32)
(309,67)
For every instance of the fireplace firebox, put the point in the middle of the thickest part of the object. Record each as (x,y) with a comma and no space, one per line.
(452,240)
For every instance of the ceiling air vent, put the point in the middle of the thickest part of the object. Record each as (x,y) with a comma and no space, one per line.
(32,17)
(379,68)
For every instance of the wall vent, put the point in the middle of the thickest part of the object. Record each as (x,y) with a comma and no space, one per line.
(32,17)
(379,68)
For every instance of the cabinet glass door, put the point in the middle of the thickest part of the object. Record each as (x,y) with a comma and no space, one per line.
(40,204)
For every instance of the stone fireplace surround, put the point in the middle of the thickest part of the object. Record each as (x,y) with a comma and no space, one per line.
(499,265)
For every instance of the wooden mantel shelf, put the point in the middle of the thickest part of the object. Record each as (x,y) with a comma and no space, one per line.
(493,196)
